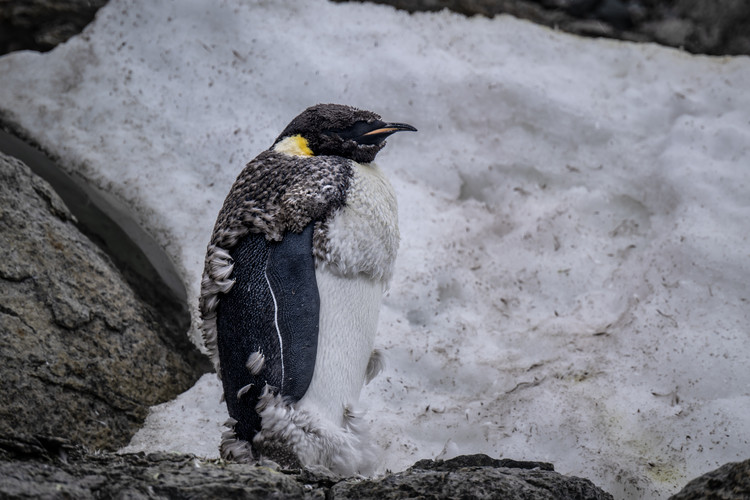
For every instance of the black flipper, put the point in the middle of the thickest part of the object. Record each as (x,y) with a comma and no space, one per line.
(291,274)
(274,287)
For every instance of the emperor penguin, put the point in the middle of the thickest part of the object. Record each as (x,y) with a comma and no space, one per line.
(300,255)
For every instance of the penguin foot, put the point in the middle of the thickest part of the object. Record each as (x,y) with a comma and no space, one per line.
(280,455)
(346,451)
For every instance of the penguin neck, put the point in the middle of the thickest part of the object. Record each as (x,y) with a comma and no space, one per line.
(295,145)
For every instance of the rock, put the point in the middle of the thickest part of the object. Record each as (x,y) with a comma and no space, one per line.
(83,356)
(56,469)
(42,24)
(728,482)
(464,461)
(673,32)
(71,472)
(716,27)
(474,476)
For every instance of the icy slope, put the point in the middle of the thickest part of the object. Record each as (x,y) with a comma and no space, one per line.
(573,278)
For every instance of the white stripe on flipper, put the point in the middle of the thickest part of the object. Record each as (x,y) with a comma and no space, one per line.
(276,324)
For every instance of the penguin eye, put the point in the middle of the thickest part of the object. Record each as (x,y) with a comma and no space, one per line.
(357,130)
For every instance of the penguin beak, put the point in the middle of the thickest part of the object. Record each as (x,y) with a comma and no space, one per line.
(381,131)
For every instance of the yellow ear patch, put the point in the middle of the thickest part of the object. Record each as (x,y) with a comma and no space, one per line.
(295,145)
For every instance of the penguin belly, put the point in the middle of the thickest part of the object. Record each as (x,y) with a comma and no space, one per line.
(362,242)
(349,309)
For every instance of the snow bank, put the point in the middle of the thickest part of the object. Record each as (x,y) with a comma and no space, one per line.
(573,279)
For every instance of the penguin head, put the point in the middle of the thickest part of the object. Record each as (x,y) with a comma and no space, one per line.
(337,130)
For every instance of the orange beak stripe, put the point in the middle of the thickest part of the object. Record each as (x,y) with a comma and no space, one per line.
(381,131)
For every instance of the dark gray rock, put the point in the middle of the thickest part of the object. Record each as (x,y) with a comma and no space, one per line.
(728,482)
(83,358)
(715,27)
(67,471)
(42,24)
(472,477)
(464,461)
(35,469)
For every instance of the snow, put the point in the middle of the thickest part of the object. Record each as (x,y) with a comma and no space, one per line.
(572,284)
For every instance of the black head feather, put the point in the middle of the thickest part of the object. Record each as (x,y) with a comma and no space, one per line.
(339,130)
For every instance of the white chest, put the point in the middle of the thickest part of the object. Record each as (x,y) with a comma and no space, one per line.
(363,236)
(362,244)
(349,310)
